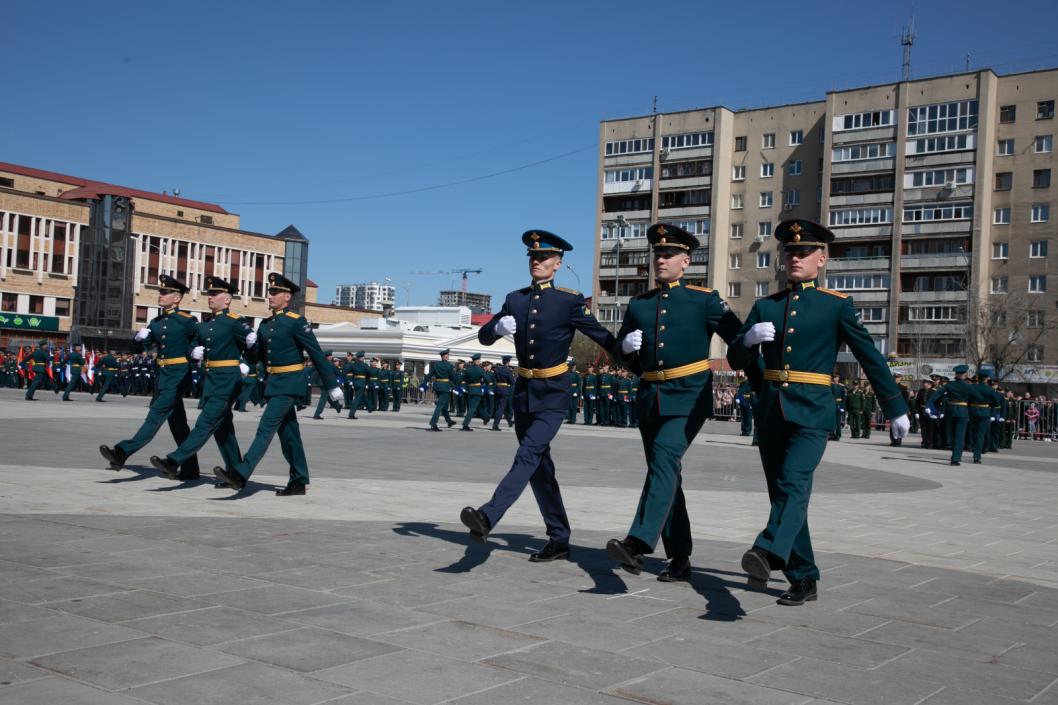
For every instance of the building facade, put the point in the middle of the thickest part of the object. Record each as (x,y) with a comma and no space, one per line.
(477,303)
(371,296)
(80,259)
(939,192)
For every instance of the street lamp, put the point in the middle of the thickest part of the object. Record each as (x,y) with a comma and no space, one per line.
(570,268)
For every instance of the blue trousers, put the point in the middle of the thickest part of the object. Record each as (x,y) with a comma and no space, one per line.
(533,466)
(790,454)
(502,409)
(279,417)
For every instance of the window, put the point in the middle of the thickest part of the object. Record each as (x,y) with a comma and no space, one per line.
(612,230)
(925,212)
(875,183)
(141,314)
(944,143)
(625,202)
(999,285)
(767,140)
(939,177)
(694,227)
(762,289)
(1008,113)
(738,172)
(735,261)
(734,290)
(36,304)
(6,182)
(794,168)
(62,307)
(683,170)
(632,146)
(683,199)
(765,199)
(872,314)
(1044,143)
(741,144)
(1041,213)
(856,152)
(1001,216)
(858,281)
(861,121)
(1038,284)
(764,229)
(1044,109)
(943,117)
(932,246)
(616,176)
(933,313)
(1005,148)
(792,197)
(1041,178)
(737,200)
(1034,319)
(796,137)
(1000,250)
(767,170)
(1034,353)
(763,260)
(861,216)
(736,231)
(688,140)
(1004,180)
(1038,248)
(9,302)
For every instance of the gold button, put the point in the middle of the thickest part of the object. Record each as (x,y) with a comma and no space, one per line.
(531,357)
(661,345)
(662,327)
(793,313)
(532,325)
(789,349)
(789,330)
(536,296)
(786,367)
(660,363)
(796,297)
(664,296)
(533,311)
(531,342)
(785,385)
(663,312)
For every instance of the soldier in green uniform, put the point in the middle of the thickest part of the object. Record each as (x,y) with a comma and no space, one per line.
(473,378)
(905,392)
(604,386)
(58,379)
(589,390)
(744,399)
(38,363)
(995,425)
(488,393)
(219,345)
(441,374)
(107,369)
(855,409)
(982,403)
(282,342)
(838,390)
(172,332)
(248,388)
(75,361)
(398,380)
(869,406)
(955,396)
(358,373)
(624,399)
(665,338)
(789,345)
(384,380)
(574,386)
(316,379)
(372,386)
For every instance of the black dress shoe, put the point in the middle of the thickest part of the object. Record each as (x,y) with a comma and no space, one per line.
(434,428)
(955,462)
(678,569)
(451,424)
(496,428)
(800,592)
(477,522)
(317,417)
(291,490)
(628,553)
(230,478)
(466,428)
(115,456)
(169,468)
(550,552)
(757,564)
(977,461)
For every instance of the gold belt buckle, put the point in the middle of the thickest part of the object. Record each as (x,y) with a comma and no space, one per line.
(784,375)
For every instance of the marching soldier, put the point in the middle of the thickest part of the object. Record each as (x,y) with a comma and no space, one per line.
(665,338)
(219,345)
(906,394)
(38,364)
(107,368)
(473,378)
(282,342)
(384,380)
(57,377)
(248,388)
(995,430)
(574,388)
(542,318)
(457,400)
(589,390)
(504,382)
(441,374)
(983,402)
(317,380)
(488,393)
(172,332)
(358,373)
(75,361)
(789,344)
(955,396)
(855,409)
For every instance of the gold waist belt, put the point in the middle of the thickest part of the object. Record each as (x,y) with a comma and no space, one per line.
(503,384)
(958,403)
(286,368)
(799,377)
(542,373)
(221,363)
(440,379)
(474,384)
(172,361)
(676,372)
(981,406)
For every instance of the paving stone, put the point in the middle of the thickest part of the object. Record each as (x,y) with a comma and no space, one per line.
(827,647)
(948,614)
(11,612)
(211,625)
(418,677)
(1020,613)
(405,594)
(534,691)
(141,661)
(59,588)
(924,637)
(575,665)
(461,640)
(841,623)
(1033,658)
(365,698)
(846,684)
(306,649)
(678,686)
(247,684)
(715,656)
(59,633)
(623,608)
(122,606)
(124,568)
(695,622)
(596,632)
(320,577)
(14,672)
(197,583)
(361,617)
(950,696)
(18,572)
(979,673)
(983,589)
(489,611)
(273,599)
(52,691)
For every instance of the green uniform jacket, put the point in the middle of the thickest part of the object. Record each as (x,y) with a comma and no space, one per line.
(590,387)
(224,338)
(981,401)
(574,383)
(958,391)
(108,365)
(811,325)
(173,333)
(39,360)
(284,339)
(359,371)
(604,383)
(474,375)
(442,374)
(678,322)
(76,362)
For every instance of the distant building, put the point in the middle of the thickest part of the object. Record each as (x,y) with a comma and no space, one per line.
(371,296)
(478,303)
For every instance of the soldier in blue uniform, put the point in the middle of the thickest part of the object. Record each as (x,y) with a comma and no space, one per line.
(504,383)
(75,361)
(38,363)
(665,338)
(473,378)
(172,332)
(283,340)
(788,346)
(219,346)
(441,374)
(542,318)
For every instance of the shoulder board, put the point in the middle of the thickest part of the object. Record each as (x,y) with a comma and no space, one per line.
(292,314)
(838,294)
(234,315)
(185,314)
(692,287)
(568,291)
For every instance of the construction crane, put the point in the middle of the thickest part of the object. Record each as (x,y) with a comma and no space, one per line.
(464,271)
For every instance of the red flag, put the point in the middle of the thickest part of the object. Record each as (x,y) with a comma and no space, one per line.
(21,357)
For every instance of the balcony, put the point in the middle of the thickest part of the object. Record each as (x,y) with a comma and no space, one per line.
(932,328)
(957,260)
(643,185)
(930,297)
(687,182)
(933,194)
(871,134)
(640,159)
(936,227)
(862,199)
(686,153)
(858,264)
(862,166)
(873,296)
(625,272)
(685,211)
(919,161)
(863,232)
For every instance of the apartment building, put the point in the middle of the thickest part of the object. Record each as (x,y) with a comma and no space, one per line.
(371,296)
(939,192)
(477,303)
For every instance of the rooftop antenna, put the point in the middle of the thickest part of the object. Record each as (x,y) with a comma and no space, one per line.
(967,62)
(907,39)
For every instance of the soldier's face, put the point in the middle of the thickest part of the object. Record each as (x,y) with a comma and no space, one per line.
(219,301)
(669,264)
(278,299)
(169,299)
(542,267)
(802,266)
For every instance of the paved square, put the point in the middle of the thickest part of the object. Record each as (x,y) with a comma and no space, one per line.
(940,584)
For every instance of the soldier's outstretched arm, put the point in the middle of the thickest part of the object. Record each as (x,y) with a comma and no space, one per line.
(722,319)
(309,345)
(853,333)
(738,355)
(487,333)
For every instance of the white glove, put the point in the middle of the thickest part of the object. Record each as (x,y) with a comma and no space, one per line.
(251,339)
(991,418)
(917,415)
(901,427)
(632,342)
(198,352)
(244,368)
(759,333)
(336,394)
(506,326)
(142,335)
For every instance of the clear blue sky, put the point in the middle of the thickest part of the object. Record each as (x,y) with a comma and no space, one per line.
(257,103)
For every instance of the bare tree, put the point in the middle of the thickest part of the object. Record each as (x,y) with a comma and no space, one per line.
(1001,330)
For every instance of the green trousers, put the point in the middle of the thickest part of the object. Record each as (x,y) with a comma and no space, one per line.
(662,510)
(589,411)
(440,408)
(279,418)
(40,379)
(167,405)
(473,402)
(790,454)
(214,419)
(957,436)
(979,431)
(71,385)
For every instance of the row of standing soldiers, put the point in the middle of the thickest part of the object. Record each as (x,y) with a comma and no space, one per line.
(126,374)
